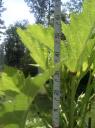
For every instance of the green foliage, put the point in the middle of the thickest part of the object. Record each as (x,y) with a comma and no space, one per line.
(77,59)
(78,34)
(14,49)
(40,45)
(17,96)
(15,54)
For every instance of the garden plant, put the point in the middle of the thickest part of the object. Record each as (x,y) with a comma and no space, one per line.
(20,105)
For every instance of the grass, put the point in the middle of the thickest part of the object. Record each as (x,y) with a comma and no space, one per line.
(93,115)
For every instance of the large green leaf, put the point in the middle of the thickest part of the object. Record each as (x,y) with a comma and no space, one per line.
(78,34)
(19,94)
(11,80)
(40,42)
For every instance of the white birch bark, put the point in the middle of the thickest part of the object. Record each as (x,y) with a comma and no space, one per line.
(56,78)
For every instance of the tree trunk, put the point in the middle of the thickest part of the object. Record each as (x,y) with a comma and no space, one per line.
(49,13)
(56,78)
(1,57)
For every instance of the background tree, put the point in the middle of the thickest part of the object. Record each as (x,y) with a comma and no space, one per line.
(72,6)
(1,56)
(2,9)
(42,9)
(16,55)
